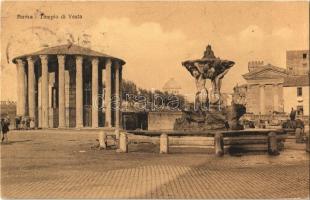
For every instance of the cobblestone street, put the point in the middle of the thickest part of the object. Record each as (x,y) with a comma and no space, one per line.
(40,164)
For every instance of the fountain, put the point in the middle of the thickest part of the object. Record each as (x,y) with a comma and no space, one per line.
(208,112)
(209,118)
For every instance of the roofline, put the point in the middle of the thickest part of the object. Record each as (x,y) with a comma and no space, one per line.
(265,67)
(37,53)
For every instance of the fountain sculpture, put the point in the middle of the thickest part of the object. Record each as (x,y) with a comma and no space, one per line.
(208,112)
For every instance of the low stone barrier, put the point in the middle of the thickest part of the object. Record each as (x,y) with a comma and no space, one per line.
(270,140)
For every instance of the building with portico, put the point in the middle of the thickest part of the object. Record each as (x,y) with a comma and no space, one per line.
(69,86)
(264,88)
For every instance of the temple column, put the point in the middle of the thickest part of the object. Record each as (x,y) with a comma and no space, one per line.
(21,93)
(108,90)
(275,98)
(44,91)
(117,94)
(61,91)
(95,105)
(262,99)
(121,95)
(79,92)
(31,87)
(103,89)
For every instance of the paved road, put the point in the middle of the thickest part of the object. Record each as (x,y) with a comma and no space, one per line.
(63,165)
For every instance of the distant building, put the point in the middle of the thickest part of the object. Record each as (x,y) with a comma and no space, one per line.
(296,94)
(172,86)
(297,62)
(264,88)
(273,89)
(296,85)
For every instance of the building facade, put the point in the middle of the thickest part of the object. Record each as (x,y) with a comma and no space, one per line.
(264,88)
(297,62)
(296,94)
(69,86)
(273,89)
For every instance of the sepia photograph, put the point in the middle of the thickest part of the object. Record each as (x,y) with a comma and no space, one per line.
(154,99)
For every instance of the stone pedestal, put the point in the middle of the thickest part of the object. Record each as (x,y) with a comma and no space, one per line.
(273,144)
(299,135)
(102,140)
(219,144)
(123,143)
(164,143)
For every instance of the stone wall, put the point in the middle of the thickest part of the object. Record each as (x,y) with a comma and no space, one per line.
(296,63)
(162,120)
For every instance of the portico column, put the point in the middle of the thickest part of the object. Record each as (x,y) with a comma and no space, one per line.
(262,99)
(94,91)
(79,92)
(44,91)
(31,86)
(107,100)
(117,94)
(21,93)
(61,91)
(275,98)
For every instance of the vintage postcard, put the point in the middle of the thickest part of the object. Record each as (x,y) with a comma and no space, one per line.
(154,99)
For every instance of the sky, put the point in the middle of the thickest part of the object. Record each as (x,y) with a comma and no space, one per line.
(155,37)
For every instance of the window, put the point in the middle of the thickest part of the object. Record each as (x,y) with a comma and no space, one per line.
(304,56)
(300,110)
(299,91)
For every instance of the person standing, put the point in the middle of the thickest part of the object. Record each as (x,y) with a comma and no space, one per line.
(5,129)
(293,114)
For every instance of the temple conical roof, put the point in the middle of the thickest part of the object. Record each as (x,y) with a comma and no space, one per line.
(68,49)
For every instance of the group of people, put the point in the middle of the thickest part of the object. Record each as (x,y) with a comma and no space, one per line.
(4,128)
(24,123)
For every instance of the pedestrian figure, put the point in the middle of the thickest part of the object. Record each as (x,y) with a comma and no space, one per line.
(17,121)
(5,129)
(293,114)
(27,120)
(32,124)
